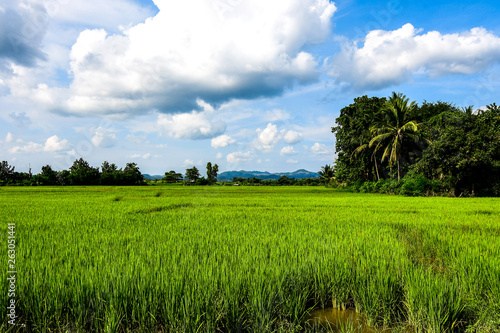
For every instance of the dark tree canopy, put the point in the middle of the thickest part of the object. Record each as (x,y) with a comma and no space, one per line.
(6,172)
(193,174)
(352,131)
(172,177)
(459,148)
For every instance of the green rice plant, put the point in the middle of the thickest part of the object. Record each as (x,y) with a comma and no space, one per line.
(434,303)
(247,259)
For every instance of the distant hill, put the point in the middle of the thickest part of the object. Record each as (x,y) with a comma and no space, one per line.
(299,174)
(153,177)
(229,175)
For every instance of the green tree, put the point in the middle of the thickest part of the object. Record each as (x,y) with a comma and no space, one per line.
(63,177)
(132,175)
(326,173)
(394,130)
(212,172)
(81,173)
(48,176)
(110,174)
(351,131)
(193,174)
(6,172)
(172,177)
(466,155)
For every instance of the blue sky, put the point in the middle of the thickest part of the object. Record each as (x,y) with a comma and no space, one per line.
(252,85)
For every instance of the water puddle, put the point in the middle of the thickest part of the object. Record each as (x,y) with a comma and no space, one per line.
(343,321)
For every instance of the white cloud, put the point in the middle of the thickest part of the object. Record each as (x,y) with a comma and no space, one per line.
(55,144)
(238,157)
(290,161)
(391,57)
(181,54)
(146,156)
(9,137)
(222,141)
(30,147)
(292,137)
(219,155)
(268,137)
(102,139)
(194,125)
(287,151)
(191,163)
(52,144)
(321,149)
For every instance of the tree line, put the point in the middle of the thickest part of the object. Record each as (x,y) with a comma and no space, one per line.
(82,173)
(395,145)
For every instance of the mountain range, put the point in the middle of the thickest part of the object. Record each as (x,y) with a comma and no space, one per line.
(301,173)
(229,175)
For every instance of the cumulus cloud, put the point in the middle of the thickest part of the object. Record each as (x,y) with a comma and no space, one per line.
(102,139)
(222,141)
(55,144)
(321,149)
(290,161)
(52,144)
(188,51)
(194,125)
(238,157)
(268,137)
(392,57)
(292,137)
(287,151)
(23,24)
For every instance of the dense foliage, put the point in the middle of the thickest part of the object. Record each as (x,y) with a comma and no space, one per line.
(80,173)
(453,151)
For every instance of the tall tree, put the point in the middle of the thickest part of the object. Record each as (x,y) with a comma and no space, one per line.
(326,173)
(212,171)
(193,174)
(6,171)
(110,174)
(394,130)
(48,176)
(132,175)
(351,131)
(81,173)
(172,177)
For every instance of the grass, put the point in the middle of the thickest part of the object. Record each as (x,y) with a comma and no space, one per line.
(248,259)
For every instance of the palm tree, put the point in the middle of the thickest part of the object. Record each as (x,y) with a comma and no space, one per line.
(395,129)
(358,150)
(326,173)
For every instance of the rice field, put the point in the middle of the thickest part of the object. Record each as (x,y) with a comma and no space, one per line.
(248,259)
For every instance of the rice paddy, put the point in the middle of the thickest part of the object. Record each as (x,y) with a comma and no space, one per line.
(248,259)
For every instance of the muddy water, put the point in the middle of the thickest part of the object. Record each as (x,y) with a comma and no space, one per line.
(343,321)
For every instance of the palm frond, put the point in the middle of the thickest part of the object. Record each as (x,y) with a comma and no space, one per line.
(379,138)
(358,150)
(409,126)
